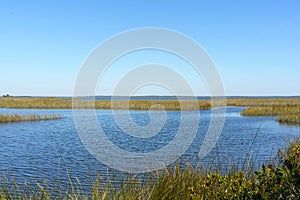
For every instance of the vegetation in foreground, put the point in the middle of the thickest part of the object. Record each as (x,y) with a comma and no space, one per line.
(7,118)
(279,180)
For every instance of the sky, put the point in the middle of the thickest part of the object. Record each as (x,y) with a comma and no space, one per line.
(255,45)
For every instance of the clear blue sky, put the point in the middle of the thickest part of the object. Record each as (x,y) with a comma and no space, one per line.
(254,44)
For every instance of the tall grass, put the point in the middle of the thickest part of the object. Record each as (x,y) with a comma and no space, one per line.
(271,110)
(287,110)
(262,102)
(43,103)
(66,103)
(292,119)
(52,103)
(279,180)
(7,118)
(285,114)
(146,104)
(163,104)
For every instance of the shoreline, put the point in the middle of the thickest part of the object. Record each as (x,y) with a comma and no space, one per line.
(287,110)
(140,104)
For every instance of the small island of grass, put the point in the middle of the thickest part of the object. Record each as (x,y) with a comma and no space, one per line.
(285,114)
(8,118)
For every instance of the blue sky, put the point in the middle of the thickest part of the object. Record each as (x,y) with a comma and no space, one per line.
(254,44)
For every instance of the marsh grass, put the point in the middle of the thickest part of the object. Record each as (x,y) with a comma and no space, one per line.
(292,119)
(287,110)
(9,118)
(285,114)
(161,104)
(55,103)
(39,103)
(271,111)
(66,103)
(263,102)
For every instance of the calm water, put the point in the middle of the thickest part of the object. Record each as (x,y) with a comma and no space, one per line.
(31,150)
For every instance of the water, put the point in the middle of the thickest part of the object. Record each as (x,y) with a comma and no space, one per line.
(32,150)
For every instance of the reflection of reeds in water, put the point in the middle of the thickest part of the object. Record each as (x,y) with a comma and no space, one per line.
(7,118)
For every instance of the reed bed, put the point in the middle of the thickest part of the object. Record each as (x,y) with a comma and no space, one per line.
(285,114)
(146,104)
(162,104)
(263,102)
(66,103)
(36,103)
(8,118)
(287,110)
(292,119)
(61,103)
(271,111)
(279,179)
